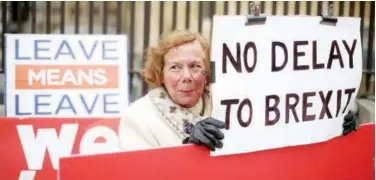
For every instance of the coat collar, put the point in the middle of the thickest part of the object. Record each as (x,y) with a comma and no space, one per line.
(177,116)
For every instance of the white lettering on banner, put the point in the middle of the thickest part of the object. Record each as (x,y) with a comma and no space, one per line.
(89,146)
(27,175)
(290,87)
(54,77)
(34,146)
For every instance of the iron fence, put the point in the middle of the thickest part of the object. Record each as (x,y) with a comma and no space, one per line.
(143,22)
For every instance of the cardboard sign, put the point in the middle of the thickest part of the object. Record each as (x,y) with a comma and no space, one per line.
(31,148)
(291,80)
(347,157)
(66,75)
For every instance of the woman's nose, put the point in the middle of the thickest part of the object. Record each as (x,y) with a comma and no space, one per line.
(186,74)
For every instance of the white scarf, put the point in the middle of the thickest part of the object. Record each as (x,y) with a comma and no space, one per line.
(177,116)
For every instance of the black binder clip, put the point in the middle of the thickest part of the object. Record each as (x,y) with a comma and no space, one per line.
(212,72)
(327,14)
(255,17)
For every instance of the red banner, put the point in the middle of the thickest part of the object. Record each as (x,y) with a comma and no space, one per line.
(345,157)
(31,148)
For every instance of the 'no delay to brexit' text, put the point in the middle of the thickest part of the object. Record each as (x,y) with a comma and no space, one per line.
(59,69)
(244,57)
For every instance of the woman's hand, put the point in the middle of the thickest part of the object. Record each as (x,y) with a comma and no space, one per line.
(207,132)
(350,123)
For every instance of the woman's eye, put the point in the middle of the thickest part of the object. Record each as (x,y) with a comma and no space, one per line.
(175,67)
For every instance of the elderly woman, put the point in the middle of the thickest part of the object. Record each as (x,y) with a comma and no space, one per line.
(177,111)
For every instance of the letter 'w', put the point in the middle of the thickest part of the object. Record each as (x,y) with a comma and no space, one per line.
(35,147)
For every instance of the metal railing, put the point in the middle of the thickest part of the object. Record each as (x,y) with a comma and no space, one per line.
(144,21)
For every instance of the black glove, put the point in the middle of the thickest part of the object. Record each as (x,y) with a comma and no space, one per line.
(350,123)
(206,132)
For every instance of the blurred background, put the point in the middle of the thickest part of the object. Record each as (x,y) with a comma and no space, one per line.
(144,21)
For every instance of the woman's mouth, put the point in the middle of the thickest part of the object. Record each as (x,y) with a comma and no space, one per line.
(186,91)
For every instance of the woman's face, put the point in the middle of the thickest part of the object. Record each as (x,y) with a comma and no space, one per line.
(183,73)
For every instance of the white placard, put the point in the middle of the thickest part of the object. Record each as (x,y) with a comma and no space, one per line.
(273,100)
(66,75)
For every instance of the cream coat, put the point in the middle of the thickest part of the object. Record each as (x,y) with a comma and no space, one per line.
(143,127)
